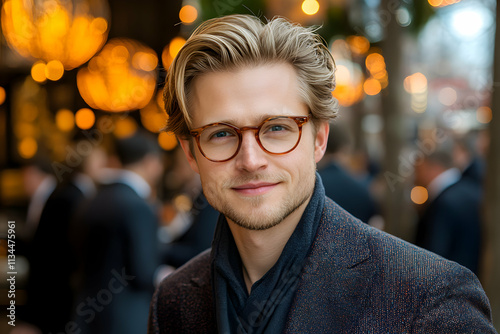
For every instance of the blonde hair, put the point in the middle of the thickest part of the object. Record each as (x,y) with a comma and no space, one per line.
(235,41)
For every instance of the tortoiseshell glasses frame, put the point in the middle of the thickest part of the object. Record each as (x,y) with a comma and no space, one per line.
(276,135)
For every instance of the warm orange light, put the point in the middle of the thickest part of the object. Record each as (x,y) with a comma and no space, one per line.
(372,86)
(358,44)
(65,120)
(442,3)
(375,63)
(145,61)
(349,84)
(166,58)
(435,3)
(122,77)
(3,95)
(188,14)
(153,116)
(38,71)
(484,114)
(175,46)
(167,141)
(348,95)
(54,70)
(310,7)
(125,127)
(419,195)
(84,118)
(28,111)
(415,83)
(68,31)
(27,147)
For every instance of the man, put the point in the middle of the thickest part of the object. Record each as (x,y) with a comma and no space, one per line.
(119,247)
(340,185)
(52,244)
(450,223)
(250,104)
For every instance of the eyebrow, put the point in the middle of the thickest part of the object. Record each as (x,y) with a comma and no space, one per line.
(258,120)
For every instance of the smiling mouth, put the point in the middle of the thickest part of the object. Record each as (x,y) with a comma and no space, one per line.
(253,189)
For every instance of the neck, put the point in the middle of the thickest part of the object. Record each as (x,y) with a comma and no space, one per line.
(260,249)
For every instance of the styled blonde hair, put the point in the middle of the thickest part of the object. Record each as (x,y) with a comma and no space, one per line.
(235,41)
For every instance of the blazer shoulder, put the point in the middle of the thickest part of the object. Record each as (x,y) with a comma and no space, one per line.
(183,301)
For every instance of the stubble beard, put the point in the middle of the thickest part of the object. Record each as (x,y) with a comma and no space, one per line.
(255,220)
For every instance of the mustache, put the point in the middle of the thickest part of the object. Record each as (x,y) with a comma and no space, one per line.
(250,178)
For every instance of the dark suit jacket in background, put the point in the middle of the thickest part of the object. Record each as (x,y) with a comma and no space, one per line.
(356,280)
(450,225)
(347,192)
(120,256)
(197,238)
(53,262)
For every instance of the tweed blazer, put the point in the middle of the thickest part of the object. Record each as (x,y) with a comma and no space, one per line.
(356,279)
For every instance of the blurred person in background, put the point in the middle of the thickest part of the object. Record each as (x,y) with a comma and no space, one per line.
(449,223)
(39,182)
(52,256)
(250,101)
(192,229)
(339,183)
(469,153)
(119,247)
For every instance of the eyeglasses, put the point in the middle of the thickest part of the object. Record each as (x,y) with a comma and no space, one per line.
(219,142)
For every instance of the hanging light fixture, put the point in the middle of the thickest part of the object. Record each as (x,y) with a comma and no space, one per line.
(62,31)
(122,77)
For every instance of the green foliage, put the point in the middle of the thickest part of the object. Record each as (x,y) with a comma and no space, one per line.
(216,8)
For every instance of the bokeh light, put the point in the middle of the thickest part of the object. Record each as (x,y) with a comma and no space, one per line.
(447,96)
(375,63)
(122,77)
(349,83)
(419,195)
(415,83)
(68,31)
(310,7)
(188,14)
(65,120)
(175,46)
(38,71)
(484,114)
(442,3)
(3,95)
(358,44)
(27,147)
(84,118)
(153,116)
(54,70)
(167,141)
(171,50)
(372,86)
(125,127)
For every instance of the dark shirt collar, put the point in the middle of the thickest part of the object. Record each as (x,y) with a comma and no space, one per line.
(265,309)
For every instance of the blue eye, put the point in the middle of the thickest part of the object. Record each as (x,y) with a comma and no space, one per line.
(221,134)
(277,128)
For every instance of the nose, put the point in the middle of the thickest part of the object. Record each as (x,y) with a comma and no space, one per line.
(251,156)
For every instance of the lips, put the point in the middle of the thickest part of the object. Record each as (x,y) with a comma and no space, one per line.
(252,189)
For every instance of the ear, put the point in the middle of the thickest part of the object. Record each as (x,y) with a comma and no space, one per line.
(185,144)
(321,140)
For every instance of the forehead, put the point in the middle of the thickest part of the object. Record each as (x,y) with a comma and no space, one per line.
(245,96)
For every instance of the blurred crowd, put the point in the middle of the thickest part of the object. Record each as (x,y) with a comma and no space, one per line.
(100,232)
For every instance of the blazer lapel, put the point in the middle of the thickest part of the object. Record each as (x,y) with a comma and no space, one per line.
(336,278)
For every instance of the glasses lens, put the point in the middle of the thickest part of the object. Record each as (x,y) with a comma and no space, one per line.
(279,135)
(219,142)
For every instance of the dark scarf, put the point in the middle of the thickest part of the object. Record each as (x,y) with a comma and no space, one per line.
(265,309)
